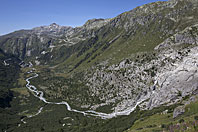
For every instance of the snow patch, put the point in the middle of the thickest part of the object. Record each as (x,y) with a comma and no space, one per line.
(43,52)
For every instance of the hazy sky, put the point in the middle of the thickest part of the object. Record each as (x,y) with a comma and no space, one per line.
(26,14)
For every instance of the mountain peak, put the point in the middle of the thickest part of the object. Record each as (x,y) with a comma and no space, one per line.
(94,20)
(54,25)
(92,23)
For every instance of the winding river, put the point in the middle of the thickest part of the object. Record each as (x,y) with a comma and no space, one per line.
(40,95)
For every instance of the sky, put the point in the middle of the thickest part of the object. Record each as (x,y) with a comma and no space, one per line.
(26,14)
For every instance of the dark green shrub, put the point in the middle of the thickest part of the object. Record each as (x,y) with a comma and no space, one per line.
(196,118)
(163,126)
(181,120)
(139,128)
(149,126)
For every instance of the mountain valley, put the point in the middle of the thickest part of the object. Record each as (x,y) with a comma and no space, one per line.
(135,72)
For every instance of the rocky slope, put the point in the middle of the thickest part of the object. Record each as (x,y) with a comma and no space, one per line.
(164,76)
(146,56)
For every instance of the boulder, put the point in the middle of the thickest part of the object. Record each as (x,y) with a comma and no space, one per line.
(178,111)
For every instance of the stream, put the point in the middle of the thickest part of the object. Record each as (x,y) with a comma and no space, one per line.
(40,95)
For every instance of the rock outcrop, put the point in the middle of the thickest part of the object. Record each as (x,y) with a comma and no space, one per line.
(178,111)
(165,77)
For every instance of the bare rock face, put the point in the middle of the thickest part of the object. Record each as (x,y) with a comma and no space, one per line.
(53,30)
(187,36)
(95,23)
(171,82)
(164,78)
(177,80)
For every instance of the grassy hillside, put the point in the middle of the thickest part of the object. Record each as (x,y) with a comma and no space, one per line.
(8,76)
(130,33)
(164,121)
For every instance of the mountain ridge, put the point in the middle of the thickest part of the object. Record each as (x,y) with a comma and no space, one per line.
(145,58)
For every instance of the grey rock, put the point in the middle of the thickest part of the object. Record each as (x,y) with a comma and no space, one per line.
(178,111)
